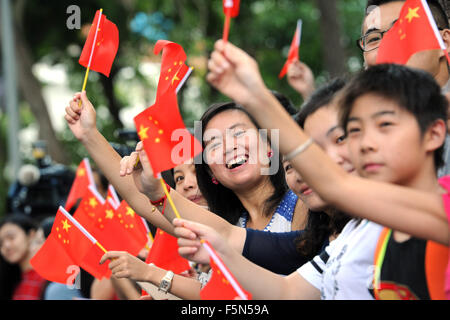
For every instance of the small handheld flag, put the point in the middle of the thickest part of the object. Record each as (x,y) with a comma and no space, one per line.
(293,54)
(222,285)
(100,47)
(83,179)
(231,10)
(414,31)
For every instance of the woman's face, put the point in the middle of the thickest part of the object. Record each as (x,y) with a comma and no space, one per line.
(14,243)
(322,126)
(234,150)
(186,183)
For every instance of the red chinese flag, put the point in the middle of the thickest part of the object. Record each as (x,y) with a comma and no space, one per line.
(166,140)
(164,253)
(293,54)
(414,31)
(67,244)
(174,71)
(231,8)
(133,226)
(101,45)
(82,180)
(222,285)
(116,229)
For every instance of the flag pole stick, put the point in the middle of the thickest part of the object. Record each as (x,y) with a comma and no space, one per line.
(226,28)
(169,198)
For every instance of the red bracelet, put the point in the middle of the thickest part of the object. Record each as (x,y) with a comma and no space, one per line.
(160,202)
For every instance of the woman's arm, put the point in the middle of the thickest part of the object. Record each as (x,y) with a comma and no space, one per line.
(82,122)
(419,213)
(147,184)
(125,266)
(262,283)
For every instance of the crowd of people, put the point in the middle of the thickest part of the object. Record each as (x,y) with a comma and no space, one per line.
(357,208)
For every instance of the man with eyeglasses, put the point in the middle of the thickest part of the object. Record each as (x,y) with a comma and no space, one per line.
(381,16)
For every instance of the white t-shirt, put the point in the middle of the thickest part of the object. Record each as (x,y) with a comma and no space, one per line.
(344,271)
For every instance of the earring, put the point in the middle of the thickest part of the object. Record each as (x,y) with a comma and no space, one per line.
(270,154)
(214,180)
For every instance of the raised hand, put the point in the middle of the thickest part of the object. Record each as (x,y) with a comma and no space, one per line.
(233,72)
(190,235)
(81,118)
(138,165)
(301,78)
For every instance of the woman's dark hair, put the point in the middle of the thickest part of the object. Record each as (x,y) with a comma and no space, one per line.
(10,274)
(221,200)
(320,225)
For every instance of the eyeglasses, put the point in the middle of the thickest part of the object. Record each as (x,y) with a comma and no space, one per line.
(371,40)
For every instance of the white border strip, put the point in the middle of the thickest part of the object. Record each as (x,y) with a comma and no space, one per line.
(433,24)
(114,194)
(188,73)
(95,39)
(299,28)
(89,171)
(77,224)
(225,271)
(97,194)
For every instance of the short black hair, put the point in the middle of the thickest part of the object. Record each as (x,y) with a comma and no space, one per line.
(321,97)
(436,9)
(414,90)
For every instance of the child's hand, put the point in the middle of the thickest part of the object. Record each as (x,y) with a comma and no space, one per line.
(301,78)
(80,116)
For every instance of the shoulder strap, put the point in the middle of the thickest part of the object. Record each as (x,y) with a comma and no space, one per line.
(380,251)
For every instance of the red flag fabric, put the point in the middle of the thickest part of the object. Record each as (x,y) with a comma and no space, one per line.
(293,54)
(132,223)
(117,230)
(66,246)
(166,140)
(82,180)
(222,285)
(99,56)
(414,31)
(174,71)
(231,8)
(164,253)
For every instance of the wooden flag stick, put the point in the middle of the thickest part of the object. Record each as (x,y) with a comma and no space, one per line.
(169,198)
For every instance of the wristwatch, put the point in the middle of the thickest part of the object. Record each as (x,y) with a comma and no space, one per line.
(166,282)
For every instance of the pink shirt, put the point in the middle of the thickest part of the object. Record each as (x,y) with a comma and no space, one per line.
(445,182)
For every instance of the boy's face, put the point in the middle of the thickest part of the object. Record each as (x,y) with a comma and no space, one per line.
(385,141)
(381,19)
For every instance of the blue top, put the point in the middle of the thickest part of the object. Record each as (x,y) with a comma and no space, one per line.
(282,218)
(275,251)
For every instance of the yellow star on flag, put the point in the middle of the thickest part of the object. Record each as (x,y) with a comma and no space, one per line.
(412,13)
(109,214)
(143,132)
(92,202)
(130,212)
(81,172)
(66,225)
